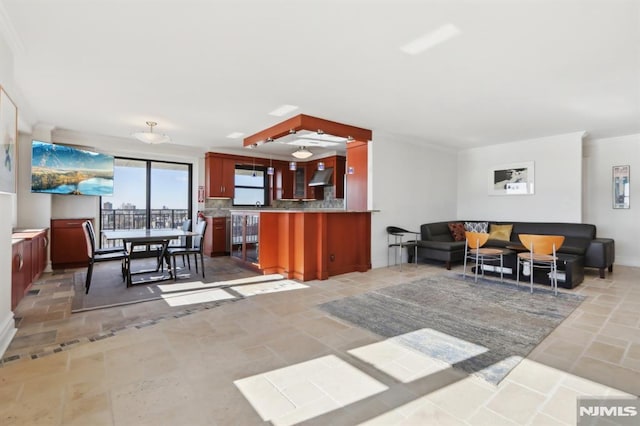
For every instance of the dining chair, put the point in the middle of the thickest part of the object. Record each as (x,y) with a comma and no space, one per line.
(102,250)
(395,241)
(196,248)
(95,257)
(541,253)
(475,252)
(183,242)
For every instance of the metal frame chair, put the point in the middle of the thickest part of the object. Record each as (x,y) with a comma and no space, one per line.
(541,254)
(103,250)
(183,242)
(197,248)
(473,250)
(95,257)
(395,240)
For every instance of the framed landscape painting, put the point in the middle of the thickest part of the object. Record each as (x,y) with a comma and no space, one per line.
(8,137)
(512,179)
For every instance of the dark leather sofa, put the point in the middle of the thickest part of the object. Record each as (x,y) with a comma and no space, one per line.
(581,248)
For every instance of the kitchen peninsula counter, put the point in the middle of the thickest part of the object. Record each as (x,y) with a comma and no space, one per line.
(303,244)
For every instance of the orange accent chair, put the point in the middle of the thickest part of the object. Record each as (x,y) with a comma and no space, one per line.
(541,254)
(474,251)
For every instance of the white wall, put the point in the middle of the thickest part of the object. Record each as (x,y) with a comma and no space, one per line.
(8,213)
(64,206)
(558,181)
(411,185)
(620,224)
(34,210)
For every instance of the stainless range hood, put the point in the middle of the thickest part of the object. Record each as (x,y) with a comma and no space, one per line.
(322,177)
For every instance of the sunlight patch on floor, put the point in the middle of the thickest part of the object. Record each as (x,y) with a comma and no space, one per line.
(399,361)
(441,346)
(299,392)
(268,287)
(199,285)
(200,296)
(531,392)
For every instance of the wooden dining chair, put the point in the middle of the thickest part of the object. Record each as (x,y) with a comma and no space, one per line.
(541,254)
(196,248)
(95,257)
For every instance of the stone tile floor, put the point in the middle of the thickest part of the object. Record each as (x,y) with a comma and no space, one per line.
(275,357)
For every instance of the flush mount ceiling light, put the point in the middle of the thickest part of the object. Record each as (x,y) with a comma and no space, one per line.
(283,110)
(302,153)
(431,39)
(150,137)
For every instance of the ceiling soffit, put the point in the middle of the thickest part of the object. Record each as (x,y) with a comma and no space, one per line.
(307,122)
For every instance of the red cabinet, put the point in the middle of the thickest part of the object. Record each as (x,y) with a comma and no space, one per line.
(282,183)
(68,245)
(28,260)
(18,272)
(39,244)
(215,237)
(337,163)
(219,175)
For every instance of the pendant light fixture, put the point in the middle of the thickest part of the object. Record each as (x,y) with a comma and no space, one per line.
(150,137)
(270,169)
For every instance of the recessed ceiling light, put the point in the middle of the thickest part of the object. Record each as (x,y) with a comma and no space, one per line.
(431,39)
(283,110)
(235,135)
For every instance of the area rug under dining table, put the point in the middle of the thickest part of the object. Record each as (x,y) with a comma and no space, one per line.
(108,288)
(483,328)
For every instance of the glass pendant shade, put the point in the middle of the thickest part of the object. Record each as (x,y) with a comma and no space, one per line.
(150,137)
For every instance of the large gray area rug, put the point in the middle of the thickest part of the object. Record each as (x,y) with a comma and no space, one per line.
(109,290)
(483,328)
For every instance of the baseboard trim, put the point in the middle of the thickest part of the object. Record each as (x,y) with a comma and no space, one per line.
(7,331)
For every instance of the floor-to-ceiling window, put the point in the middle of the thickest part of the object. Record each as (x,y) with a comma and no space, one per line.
(147,194)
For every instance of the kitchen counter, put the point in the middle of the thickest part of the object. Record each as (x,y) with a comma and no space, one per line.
(304,244)
(285,210)
(28,232)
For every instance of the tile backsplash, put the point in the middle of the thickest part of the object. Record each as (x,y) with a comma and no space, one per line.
(221,207)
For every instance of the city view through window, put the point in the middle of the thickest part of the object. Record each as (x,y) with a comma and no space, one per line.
(147,194)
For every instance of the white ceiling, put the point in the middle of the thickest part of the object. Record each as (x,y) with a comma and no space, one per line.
(518,69)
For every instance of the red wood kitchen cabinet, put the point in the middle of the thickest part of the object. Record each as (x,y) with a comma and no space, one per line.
(219,175)
(38,243)
(18,272)
(68,245)
(215,237)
